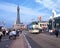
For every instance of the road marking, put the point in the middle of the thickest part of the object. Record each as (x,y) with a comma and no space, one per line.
(28,44)
(5,39)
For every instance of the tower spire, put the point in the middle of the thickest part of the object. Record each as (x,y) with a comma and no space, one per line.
(17,24)
(18,15)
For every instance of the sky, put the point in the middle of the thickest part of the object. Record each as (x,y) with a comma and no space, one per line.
(30,10)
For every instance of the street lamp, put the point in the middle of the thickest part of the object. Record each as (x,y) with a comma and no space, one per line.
(53,14)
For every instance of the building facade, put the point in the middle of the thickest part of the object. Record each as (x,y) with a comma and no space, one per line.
(54,21)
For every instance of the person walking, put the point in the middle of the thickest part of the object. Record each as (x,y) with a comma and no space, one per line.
(56,32)
(4,31)
(12,34)
(1,35)
(17,32)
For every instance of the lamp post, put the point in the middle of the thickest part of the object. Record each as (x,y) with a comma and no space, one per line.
(53,14)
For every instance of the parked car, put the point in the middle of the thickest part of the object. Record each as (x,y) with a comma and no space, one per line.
(51,31)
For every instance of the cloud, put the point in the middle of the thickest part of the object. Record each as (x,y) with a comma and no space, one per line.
(8,7)
(47,3)
(50,4)
(23,9)
(32,12)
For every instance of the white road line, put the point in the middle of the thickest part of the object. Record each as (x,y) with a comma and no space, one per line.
(28,44)
(5,39)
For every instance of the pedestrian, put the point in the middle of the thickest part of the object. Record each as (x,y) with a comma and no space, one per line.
(9,31)
(20,31)
(17,32)
(4,31)
(56,32)
(12,34)
(1,35)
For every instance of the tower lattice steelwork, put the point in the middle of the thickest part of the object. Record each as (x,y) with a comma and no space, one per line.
(18,15)
(17,23)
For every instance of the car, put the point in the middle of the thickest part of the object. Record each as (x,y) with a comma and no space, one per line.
(51,31)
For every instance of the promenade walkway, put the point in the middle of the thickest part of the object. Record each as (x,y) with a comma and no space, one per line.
(18,43)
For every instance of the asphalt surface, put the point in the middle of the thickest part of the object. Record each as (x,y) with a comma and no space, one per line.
(6,42)
(43,40)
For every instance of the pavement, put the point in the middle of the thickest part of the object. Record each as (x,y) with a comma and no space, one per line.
(5,42)
(18,43)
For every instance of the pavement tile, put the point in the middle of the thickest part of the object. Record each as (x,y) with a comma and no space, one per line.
(18,43)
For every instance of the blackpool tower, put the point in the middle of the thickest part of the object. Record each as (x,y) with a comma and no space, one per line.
(17,22)
(18,16)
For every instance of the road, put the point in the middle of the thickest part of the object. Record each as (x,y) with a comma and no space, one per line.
(5,43)
(43,40)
